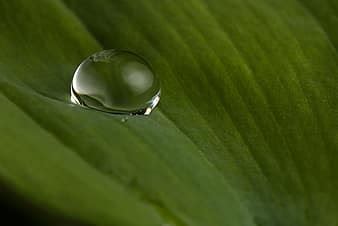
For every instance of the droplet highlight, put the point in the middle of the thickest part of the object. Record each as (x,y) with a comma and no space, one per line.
(116,81)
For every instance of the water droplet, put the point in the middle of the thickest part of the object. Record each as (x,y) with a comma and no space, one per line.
(124,119)
(116,81)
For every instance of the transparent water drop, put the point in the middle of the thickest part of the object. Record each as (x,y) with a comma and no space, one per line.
(116,81)
(124,119)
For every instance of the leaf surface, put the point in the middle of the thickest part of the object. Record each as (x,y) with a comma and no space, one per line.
(245,134)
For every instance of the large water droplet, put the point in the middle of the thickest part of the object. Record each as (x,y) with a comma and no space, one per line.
(116,81)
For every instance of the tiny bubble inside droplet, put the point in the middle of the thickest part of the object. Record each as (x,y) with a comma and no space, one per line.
(116,81)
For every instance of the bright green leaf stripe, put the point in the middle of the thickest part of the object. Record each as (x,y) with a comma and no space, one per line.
(250,101)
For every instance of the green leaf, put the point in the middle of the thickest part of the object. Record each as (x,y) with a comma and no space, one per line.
(246,132)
